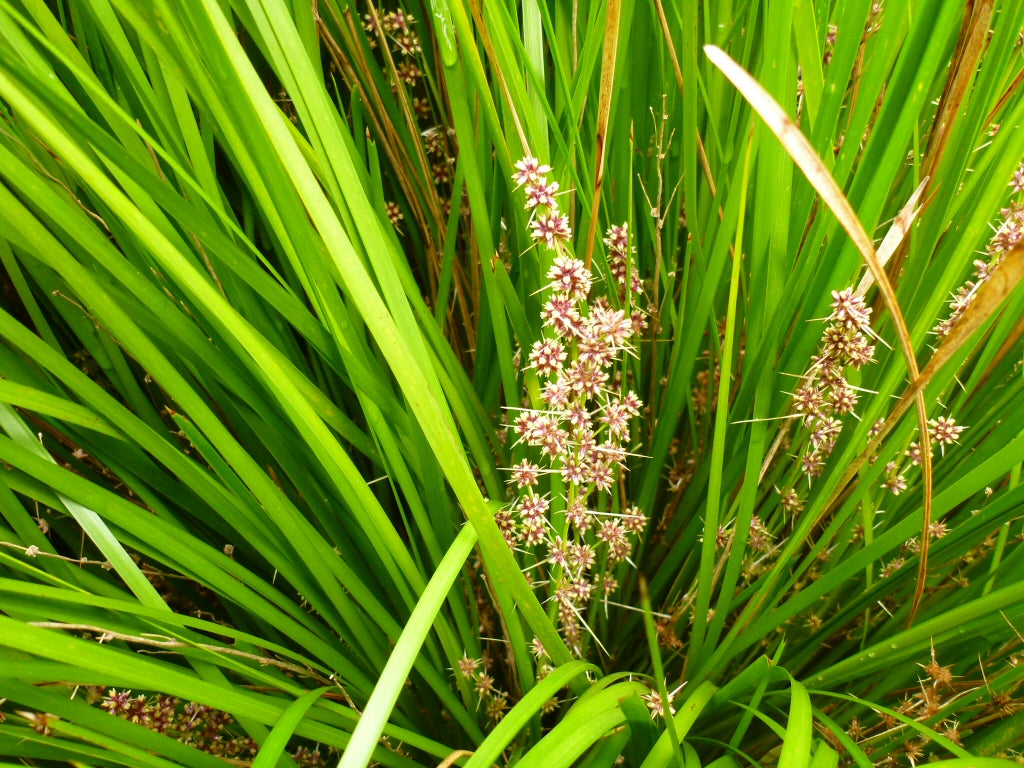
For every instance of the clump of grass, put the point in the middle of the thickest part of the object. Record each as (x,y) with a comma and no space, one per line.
(276,282)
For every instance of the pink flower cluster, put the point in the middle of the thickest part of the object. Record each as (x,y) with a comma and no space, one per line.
(547,223)
(397,25)
(1009,234)
(620,261)
(578,440)
(825,395)
(942,430)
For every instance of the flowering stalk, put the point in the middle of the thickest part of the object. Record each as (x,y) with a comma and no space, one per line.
(824,395)
(568,517)
(944,430)
(1008,235)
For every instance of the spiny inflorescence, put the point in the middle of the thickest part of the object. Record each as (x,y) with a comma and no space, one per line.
(824,395)
(567,513)
(397,27)
(1009,234)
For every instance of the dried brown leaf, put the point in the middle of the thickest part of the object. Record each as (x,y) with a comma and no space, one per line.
(604,106)
(803,154)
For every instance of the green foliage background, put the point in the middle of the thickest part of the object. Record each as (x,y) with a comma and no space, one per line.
(250,431)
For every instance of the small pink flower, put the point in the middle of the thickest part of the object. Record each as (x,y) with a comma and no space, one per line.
(895,483)
(843,399)
(1017,182)
(117,703)
(618,267)
(578,515)
(913,453)
(507,526)
(558,553)
(632,403)
(533,508)
(560,314)
(525,424)
(582,557)
(594,348)
(547,356)
(564,596)
(759,538)
(553,440)
(617,238)
(408,72)
(541,194)
(394,213)
(616,416)
(533,534)
(808,399)
(442,173)
(421,107)
(891,567)
(580,591)
(525,474)
(537,648)
(399,21)
(634,520)
(602,475)
(859,351)
(529,169)
(811,464)
(850,309)
(574,469)
(791,501)
(611,452)
(557,393)
(570,276)
(982,270)
(619,549)
(944,431)
(585,379)
(611,324)
(467,666)
(484,684)
(824,433)
(551,227)
(577,415)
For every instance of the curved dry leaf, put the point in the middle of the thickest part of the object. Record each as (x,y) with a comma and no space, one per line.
(990,294)
(803,154)
(604,106)
(899,229)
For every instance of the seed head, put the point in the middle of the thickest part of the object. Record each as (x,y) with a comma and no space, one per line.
(117,703)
